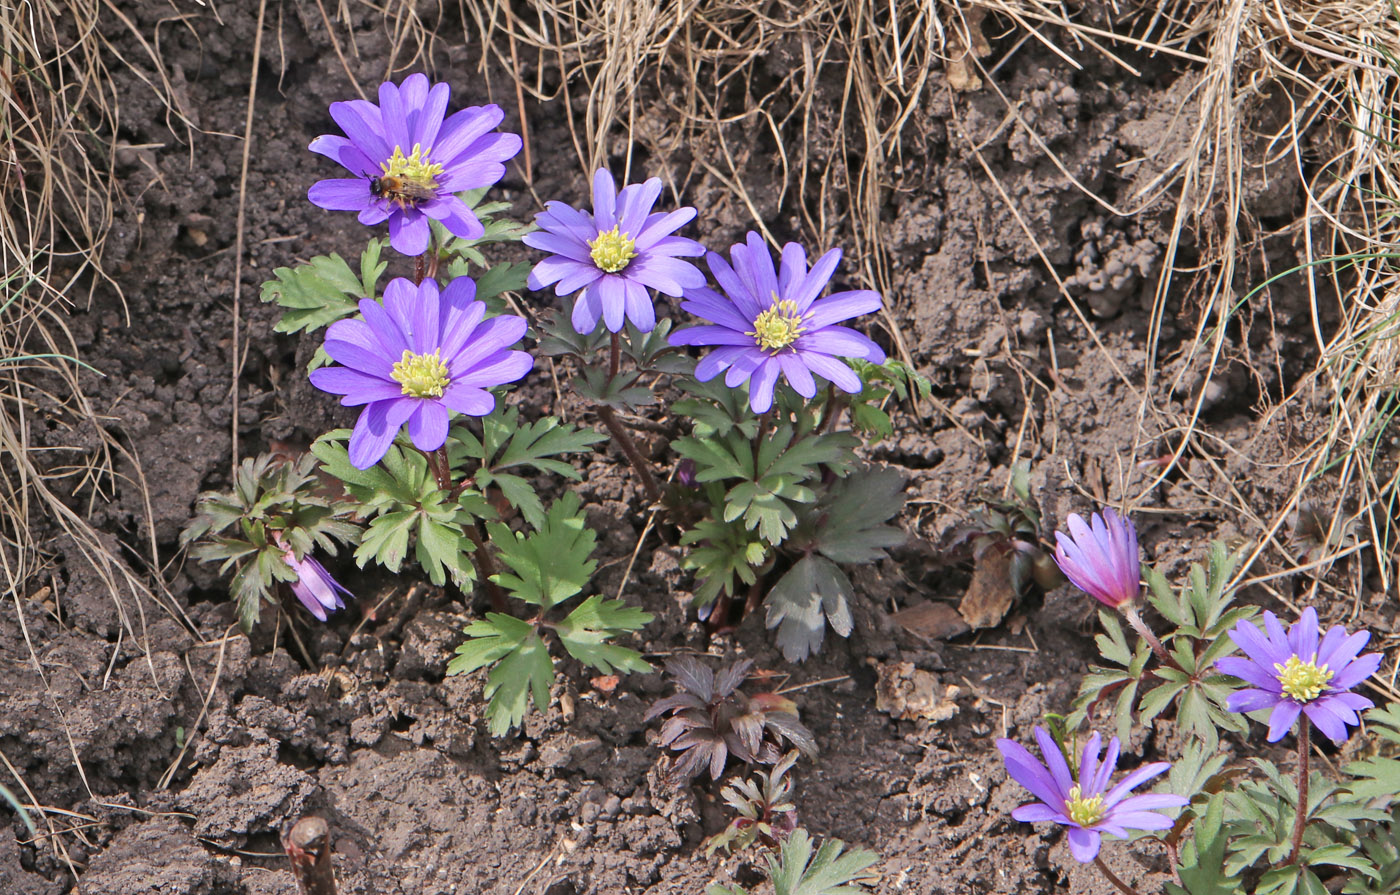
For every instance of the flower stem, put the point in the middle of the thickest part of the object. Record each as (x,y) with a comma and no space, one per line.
(1131,614)
(1301,818)
(629,447)
(1113,877)
(614,356)
(308,848)
(481,557)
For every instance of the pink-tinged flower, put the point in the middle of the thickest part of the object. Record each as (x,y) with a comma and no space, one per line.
(415,359)
(1293,673)
(1088,807)
(771,322)
(314,586)
(615,254)
(409,159)
(1100,557)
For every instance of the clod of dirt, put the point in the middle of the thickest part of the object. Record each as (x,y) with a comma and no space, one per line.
(990,595)
(159,855)
(933,621)
(246,791)
(907,693)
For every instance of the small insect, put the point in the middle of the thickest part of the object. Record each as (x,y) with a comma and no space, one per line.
(402,191)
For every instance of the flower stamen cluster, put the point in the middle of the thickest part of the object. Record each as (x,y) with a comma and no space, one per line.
(1304,681)
(612,250)
(421,375)
(415,167)
(779,326)
(1085,812)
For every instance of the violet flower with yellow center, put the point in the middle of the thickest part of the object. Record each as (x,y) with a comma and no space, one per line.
(1087,806)
(410,158)
(1295,672)
(612,256)
(770,322)
(416,359)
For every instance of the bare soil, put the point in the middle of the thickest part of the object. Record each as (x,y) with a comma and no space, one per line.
(183,751)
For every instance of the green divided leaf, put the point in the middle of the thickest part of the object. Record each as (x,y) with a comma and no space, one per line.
(832,871)
(523,671)
(324,289)
(551,564)
(1203,856)
(853,514)
(719,554)
(586,631)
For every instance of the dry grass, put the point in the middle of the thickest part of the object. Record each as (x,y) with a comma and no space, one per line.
(843,122)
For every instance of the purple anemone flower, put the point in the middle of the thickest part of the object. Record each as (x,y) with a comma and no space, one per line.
(615,254)
(1087,806)
(771,322)
(1100,557)
(317,590)
(409,160)
(1292,672)
(416,357)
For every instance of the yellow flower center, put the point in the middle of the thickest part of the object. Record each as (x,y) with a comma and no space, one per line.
(415,167)
(778,327)
(1304,681)
(422,375)
(612,250)
(1085,812)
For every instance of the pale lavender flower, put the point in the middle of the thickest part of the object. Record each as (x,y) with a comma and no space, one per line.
(1100,557)
(409,159)
(615,254)
(314,586)
(771,322)
(416,357)
(1293,673)
(1088,807)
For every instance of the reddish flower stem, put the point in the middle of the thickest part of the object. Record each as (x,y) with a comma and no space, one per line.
(1300,819)
(308,848)
(1131,614)
(481,556)
(619,433)
(1113,877)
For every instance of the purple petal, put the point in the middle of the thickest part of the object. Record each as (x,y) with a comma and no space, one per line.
(669,275)
(833,370)
(792,268)
(639,307)
(554,269)
(1143,820)
(717,361)
(588,308)
(361,121)
(710,335)
(1303,636)
(659,226)
(425,123)
(1084,844)
(1337,650)
(1089,765)
(797,374)
(564,220)
(1356,671)
(459,220)
(375,431)
(1132,780)
(340,194)
(839,341)
(743,366)
(815,281)
(428,425)
(634,204)
(375,212)
(1110,764)
(394,117)
(358,388)
(739,294)
(506,366)
(761,384)
(1025,769)
(604,201)
(346,153)
(711,306)
(1054,759)
(1253,699)
(559,244)
(409,232)
(468,399)
(842,306)
(1254,645)
(1035,812)
(1284,714)
(487,340)
(612,295)
(461,129)
(386,329)
(1249,671)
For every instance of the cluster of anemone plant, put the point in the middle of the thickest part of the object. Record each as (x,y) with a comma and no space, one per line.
(1241,827)
(763,489)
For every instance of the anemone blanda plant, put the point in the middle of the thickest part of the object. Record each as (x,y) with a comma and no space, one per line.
(770,322)
(416,359)
(1100,557)
(614,255)
(410,159)
(1085,803)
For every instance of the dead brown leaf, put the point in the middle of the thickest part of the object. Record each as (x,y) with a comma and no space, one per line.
(990,595)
